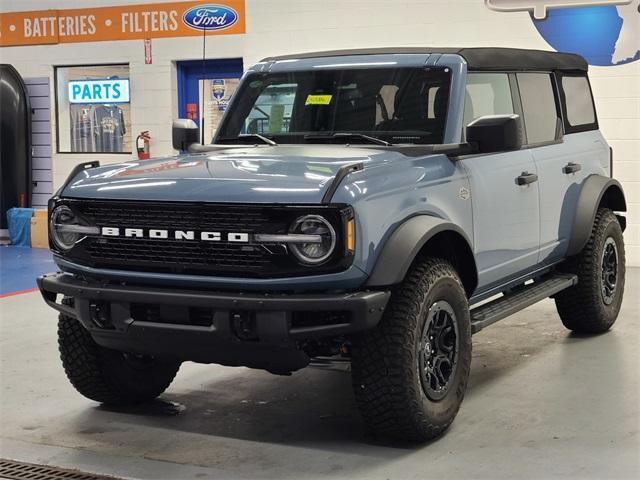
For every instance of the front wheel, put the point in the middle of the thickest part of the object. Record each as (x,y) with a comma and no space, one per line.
(593,304)
(410,373)
(109,376)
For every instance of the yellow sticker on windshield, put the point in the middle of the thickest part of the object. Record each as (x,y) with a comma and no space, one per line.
(318,99)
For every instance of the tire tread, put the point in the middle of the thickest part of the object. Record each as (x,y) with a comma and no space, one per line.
(580,307)
(87,366)
(388,397)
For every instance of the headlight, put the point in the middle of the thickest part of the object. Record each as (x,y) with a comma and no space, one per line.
(66,229)
(318,251)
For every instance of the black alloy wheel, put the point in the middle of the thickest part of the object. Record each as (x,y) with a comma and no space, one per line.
(609,265)
(438,350)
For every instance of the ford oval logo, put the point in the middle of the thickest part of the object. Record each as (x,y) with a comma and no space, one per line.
(210,17)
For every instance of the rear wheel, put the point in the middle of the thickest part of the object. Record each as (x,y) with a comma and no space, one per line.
(410,373)
(109,376)
(593,304)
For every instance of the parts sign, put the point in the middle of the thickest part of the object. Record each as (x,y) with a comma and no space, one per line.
(126,22)
(99,91)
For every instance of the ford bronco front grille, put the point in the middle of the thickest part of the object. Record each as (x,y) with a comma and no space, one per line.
(156,253)
(196,257)
(161,215)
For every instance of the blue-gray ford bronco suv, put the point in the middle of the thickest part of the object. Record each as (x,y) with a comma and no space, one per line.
(375,207)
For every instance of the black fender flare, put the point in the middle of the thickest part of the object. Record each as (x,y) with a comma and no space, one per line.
(595,189)
(404,244)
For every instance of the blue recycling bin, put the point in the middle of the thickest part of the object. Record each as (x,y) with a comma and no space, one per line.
(19,220)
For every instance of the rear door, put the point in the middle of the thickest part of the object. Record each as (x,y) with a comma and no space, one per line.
(560,161)
(505,215)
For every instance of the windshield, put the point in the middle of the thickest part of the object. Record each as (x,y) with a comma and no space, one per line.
(394,105)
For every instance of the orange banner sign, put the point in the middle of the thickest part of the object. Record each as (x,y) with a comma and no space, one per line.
(126,22)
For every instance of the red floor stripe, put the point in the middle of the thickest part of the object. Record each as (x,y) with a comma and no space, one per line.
(21,292)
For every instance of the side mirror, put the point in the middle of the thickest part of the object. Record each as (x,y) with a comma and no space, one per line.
(496,133)
(184,132)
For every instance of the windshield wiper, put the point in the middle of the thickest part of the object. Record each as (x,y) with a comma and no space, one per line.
(259,137)
(262,138)
(362,136)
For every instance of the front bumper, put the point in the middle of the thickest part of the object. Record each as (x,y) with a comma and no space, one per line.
(254,330)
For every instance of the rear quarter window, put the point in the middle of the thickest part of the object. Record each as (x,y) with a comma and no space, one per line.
(577,102)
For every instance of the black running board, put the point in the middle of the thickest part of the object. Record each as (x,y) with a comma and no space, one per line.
(514,301)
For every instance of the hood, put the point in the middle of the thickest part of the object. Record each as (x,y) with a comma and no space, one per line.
(255,174)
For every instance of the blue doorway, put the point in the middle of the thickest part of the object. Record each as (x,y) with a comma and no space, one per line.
(204,89)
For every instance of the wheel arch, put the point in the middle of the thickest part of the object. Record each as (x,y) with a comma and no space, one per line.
(425,234)
(597,191)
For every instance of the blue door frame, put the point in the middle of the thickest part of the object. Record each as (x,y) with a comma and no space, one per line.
(191,71)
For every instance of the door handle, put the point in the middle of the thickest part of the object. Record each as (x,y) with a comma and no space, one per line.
(526,178)
(571,168)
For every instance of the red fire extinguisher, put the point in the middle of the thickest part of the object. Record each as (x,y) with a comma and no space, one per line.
(142,145)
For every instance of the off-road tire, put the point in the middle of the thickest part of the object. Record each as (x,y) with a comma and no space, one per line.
(582,308)
(385,360)
(106,375)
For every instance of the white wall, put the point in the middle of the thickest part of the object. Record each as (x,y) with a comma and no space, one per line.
(286,26)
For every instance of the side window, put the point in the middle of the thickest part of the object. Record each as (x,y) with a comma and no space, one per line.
(272,110)
(539,107)
(580,114)
(487,94)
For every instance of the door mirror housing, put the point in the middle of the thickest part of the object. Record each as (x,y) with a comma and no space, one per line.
(496,133)
(184,133)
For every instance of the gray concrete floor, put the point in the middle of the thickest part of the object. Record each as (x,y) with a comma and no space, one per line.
(541,403)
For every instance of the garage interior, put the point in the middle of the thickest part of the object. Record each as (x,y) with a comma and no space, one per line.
(541,402)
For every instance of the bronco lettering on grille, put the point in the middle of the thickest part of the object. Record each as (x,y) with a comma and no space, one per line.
(175,234)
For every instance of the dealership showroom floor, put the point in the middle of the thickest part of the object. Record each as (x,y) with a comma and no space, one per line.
(541,403)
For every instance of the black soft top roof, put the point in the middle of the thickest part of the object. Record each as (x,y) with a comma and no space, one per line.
(481,58)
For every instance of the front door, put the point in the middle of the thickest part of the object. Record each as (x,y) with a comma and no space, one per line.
(506,215)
